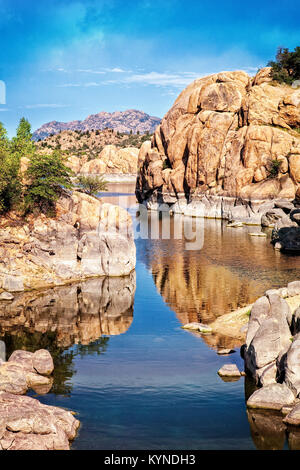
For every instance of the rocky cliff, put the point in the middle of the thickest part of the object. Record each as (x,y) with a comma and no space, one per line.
(87,238)
(229,145)
(121,121)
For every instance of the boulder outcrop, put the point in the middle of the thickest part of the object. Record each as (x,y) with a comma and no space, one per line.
(111,160)
(228,146)
(271,352)
(87,238)
(25,423)
(286,233)
(26,370)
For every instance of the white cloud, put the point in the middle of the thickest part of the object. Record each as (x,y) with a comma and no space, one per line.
(91,84)
(69,85)
(159,79)
(117,70)
(38,106)
(96,72)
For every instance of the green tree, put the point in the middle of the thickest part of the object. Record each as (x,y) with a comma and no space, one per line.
(286,68)
(48,179)
(10,183)
(91,184)
(23,144)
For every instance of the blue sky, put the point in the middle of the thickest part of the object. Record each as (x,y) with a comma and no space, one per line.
(66,59)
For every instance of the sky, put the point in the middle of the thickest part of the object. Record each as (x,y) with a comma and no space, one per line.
(66,59)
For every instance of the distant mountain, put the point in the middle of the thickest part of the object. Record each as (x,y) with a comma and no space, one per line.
(122,121)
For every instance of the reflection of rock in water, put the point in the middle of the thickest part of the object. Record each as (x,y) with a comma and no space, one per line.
(198,292)
(267,430)
(294,438)
(58,318)
(79,313)
(2,351)
(230,271)
(219,341)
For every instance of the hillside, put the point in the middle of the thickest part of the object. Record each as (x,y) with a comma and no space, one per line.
(122,121)
(89,144)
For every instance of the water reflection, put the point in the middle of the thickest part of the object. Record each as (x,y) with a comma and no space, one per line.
(230,271)
(267,429)
(82,314)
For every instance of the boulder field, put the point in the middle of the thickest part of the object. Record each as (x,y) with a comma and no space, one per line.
(228,148)
(25,423)
(87,238)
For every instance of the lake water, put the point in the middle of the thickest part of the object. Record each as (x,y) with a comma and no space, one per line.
(138,380)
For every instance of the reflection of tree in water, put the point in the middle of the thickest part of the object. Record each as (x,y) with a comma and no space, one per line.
(69,322)
(96,348)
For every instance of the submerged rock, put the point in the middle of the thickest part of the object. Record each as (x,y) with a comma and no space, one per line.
(198,327)
(229,370)
(223,351)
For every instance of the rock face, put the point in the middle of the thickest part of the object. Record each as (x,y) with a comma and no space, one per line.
(268,336)
(121,121)
(272,349)
(213,154)
(87,238)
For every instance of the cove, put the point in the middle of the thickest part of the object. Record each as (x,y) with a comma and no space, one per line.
(136,379)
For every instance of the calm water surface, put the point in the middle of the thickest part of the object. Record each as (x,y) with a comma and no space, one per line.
(123,363)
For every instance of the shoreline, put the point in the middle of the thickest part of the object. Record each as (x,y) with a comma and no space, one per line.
(230,324)
(113,177)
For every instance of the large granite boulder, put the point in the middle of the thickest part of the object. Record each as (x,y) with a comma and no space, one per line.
(26,424)
(286,233)
(219,141)
(292,365)
(267,336)
(25,370)
(271,397)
